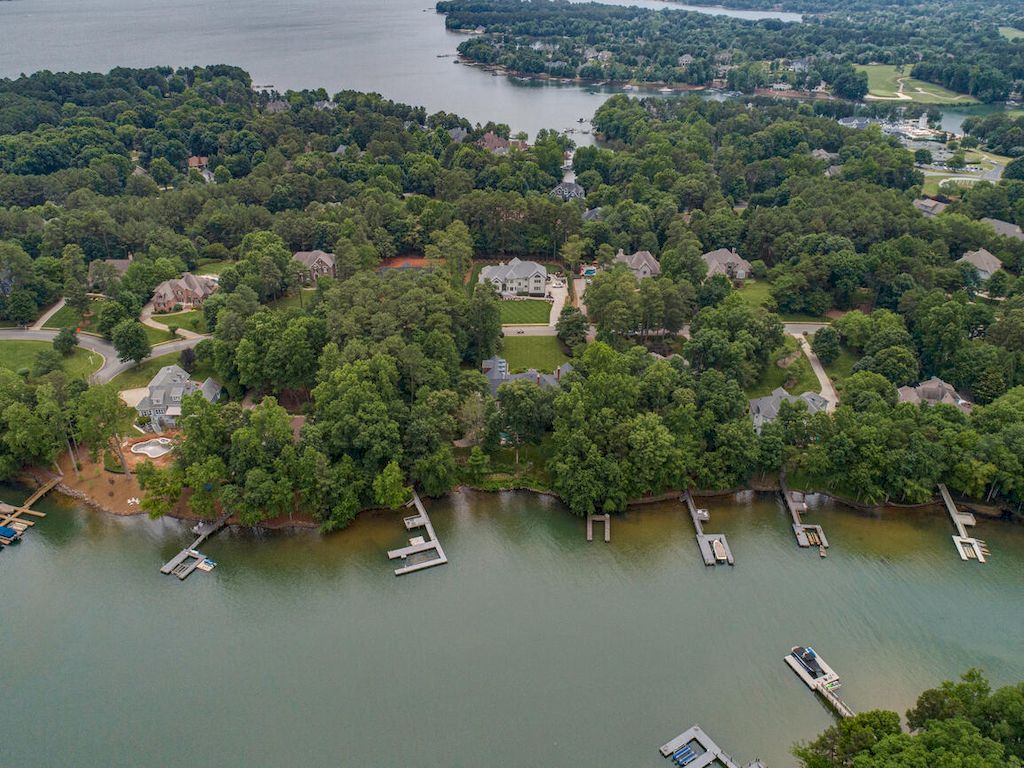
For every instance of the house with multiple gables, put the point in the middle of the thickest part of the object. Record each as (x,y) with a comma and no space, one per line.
(117,266)
(187,291)
(929,207)
(934,391)
(642,264)
(1005,228)
(315,264)
(725,261)
(162,403)
(983,261)
(568,190)
(516,277)
(495,370)
(766,409)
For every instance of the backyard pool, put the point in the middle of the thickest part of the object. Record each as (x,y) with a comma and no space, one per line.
(154,448)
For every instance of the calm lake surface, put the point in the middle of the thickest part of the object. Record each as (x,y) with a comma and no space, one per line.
(531,644)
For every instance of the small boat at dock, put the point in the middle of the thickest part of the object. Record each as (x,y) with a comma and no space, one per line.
(719,550)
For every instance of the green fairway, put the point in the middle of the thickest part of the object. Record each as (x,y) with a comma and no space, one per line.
(797,378)
(884,83)
(15,355)
(192,320)
(541,352)
(1011,33)
(525,312)
(141,375)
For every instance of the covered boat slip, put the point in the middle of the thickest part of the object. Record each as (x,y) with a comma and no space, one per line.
(714,547)
(695,749)
(825,685)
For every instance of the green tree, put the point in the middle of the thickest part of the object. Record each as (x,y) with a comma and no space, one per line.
(521,407)
(826,344)
(130,340)
(100,418)
(65,341)
(389,488)
(572,326)
(478,465)
(454,246)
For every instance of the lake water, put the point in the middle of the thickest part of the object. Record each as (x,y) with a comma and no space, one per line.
(531,647)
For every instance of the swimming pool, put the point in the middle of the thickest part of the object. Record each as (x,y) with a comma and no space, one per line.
(154,448)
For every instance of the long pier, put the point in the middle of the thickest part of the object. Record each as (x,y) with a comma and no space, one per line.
(712,554)
(606,519)
(429,547)
(185,562)
(13,518)
(695,749)
(825,685)
(968,547)
(806,535)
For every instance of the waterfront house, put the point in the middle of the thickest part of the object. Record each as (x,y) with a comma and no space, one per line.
(315,264)
(187,291)
(277,106)
(642,264)
(591,214)
(725,261)
(516,277)
(930,208)
(933,392)
(495,370)
(983,261)
(568,190)
(824,154)
(162,402)
(457,134)
(766,409)
(1005,228)
(198,163)
(494,143)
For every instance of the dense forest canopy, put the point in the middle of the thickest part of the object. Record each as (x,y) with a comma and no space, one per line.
(957,45)
(383,366)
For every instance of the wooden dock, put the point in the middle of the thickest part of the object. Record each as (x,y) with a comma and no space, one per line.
(185,562)
(699,750)
(418,545)
(15,517)
(606,519)
(968,547)
(825,686)
(806,535)
(706,541)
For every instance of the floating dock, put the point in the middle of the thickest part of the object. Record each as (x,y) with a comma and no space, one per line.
(695,749)
(826,684)
(190,558)
(714,547)
(806,535)
(968,547)
(606,519)
(426,552)
(13,519)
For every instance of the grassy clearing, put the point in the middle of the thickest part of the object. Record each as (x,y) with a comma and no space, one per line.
(193,320)
(15,355)
(1011,33)
(156,336)
(883,82)
(525,312)
(141,375)
(541,352)
(212,267)
(935,184)
(841,368)
(66,317)
(796,378)
(294,299)
(758,293)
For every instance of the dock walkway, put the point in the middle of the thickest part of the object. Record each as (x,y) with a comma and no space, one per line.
(699,750)
(606,519)
(185,562)
(806,535)
(706,541)
(418,544)
(13,518)
(968,547)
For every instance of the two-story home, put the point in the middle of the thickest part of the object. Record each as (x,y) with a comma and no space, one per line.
(725,261)
(315,264)
(983,261)
(642,264)
(162,403)
(516,277)
(187,291)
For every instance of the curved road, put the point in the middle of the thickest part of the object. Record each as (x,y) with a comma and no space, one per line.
(111,365)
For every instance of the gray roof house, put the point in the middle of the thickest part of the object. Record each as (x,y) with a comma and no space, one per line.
(457,134)
(591,214)
(983,261)
(495,369)
(568,190)
(162,403)
(516,276)
(119,265)
(1005,228)
(932,392)
(725,261)
(930,208)
(765,409)
(642,264)
(315,264)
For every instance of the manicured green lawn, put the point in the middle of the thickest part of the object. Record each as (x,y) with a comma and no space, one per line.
(293,299)
(933,184)
(883,83)
(66,317)
(141,375)
(758,293)
(156,336)
(525,312)
(799,371)
(213,267)
(21,354)
(541,352)
(1010,33)
(842,367)
(192,320)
